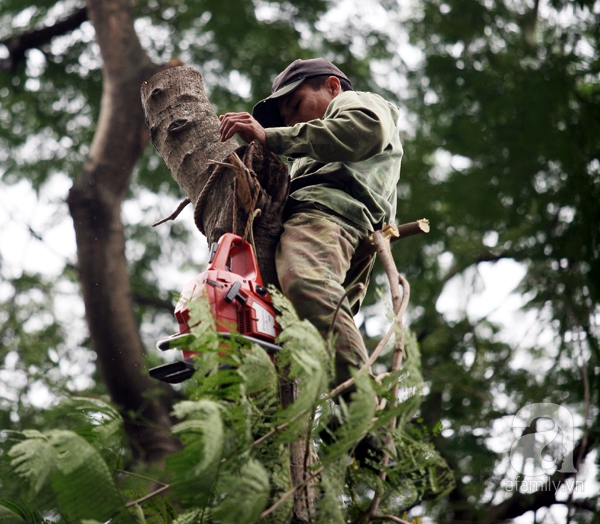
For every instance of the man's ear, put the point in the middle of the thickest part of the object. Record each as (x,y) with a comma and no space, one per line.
(333,84)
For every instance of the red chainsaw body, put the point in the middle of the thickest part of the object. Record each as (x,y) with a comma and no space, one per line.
(235,291)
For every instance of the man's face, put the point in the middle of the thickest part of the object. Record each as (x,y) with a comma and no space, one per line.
(306,104)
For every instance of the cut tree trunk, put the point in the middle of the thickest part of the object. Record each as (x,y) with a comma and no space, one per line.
(185,130)
(95,203)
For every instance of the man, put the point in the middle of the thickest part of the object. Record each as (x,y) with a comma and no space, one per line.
(347,153)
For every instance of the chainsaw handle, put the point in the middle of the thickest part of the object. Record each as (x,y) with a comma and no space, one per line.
(166,343)
(236,255)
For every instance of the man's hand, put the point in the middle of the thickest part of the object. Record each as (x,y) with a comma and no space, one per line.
(244,125)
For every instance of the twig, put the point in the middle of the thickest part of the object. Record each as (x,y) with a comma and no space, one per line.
(147,497)
(391,518)
(141,476)
(337,309)
(400,304)
(374,356)
(288,494)
(175,213)
(277,429)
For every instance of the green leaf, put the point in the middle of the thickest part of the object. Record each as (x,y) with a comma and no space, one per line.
(357,420)
(332,485)
(81,475)
(19,512)
(74,470)
(196,467)
(246,494)
(202,425)
(306,358)
(258,370)
(34,459)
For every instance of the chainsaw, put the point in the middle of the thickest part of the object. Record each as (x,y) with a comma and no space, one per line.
(238,299)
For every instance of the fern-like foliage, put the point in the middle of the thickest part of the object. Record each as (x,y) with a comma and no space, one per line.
(19,512)
(234,465)
(67,474)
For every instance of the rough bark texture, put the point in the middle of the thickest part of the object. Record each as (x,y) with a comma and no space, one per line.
(95,203)
(184,127)
(185,130)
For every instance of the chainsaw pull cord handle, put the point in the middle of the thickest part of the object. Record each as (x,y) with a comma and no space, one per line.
(241,257)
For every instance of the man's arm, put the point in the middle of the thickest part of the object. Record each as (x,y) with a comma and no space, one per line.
(355,127)
(349,136)
(244,125)
(350,131)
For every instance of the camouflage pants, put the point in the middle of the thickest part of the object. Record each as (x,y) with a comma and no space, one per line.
(315,270)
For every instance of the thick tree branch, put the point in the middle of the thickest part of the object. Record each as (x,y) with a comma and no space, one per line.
(367,248)
(95,206)
(19,44)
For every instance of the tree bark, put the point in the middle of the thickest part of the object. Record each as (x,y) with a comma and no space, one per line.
(95,205)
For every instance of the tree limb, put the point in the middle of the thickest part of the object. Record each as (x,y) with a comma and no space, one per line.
(19,44)
(94,203)
(367,247)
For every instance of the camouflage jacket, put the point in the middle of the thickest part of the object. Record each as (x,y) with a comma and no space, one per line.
(348,161)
